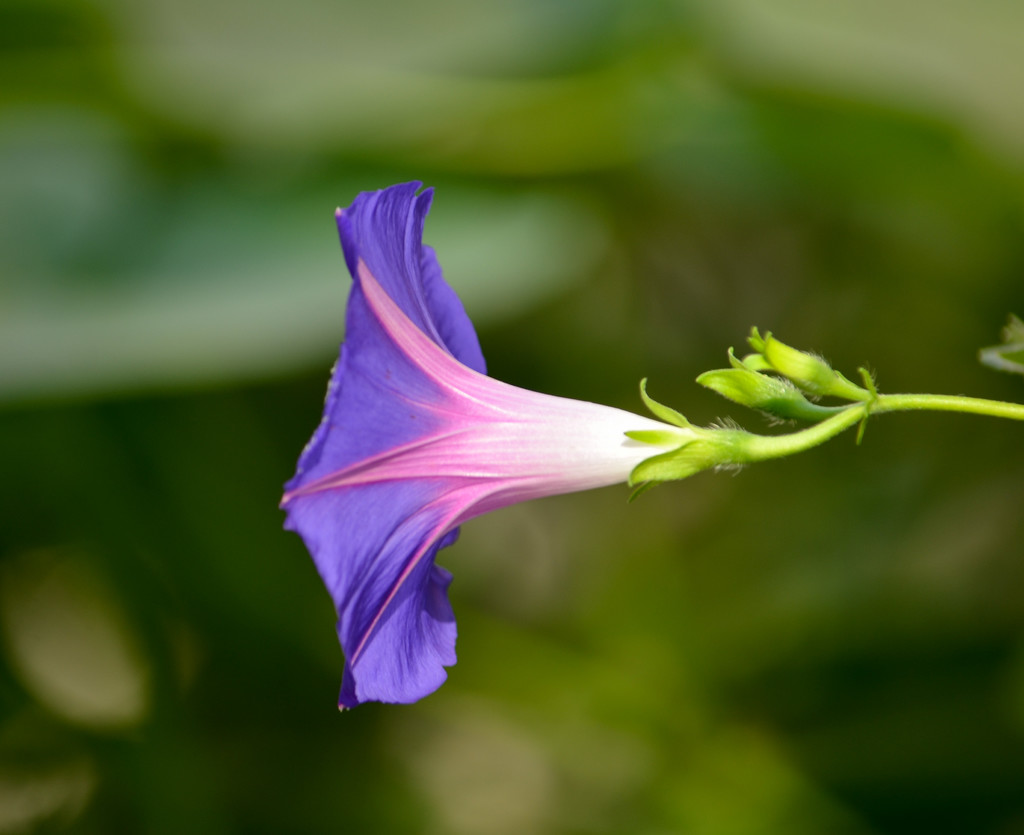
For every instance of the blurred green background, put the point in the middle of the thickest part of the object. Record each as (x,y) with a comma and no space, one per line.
(828,644)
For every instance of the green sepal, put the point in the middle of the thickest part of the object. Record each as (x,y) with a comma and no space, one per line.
(662,411)
(756,341)
(655,437)
(640,489)
(714,447)
(669,466)
(751,362)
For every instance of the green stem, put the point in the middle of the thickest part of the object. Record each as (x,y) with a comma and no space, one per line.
(946,403)
(763,447)
(750,448)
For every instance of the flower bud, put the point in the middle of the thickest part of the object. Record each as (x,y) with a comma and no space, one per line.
(769,394)
(810,373)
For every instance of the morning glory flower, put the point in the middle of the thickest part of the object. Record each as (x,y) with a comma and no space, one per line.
(415,440)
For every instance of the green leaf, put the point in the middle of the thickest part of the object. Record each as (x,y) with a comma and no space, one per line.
(1009,356)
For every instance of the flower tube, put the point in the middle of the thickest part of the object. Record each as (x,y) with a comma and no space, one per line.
(415,440)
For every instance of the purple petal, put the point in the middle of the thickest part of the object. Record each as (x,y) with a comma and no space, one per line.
(385,230)
(374,546)
(453,325)
(408,654)
(374,401)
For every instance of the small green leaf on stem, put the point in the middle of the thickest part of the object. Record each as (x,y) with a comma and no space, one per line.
(1008,356)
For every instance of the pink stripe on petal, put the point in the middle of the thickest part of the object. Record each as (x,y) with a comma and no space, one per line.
(505,432)
(446,523)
